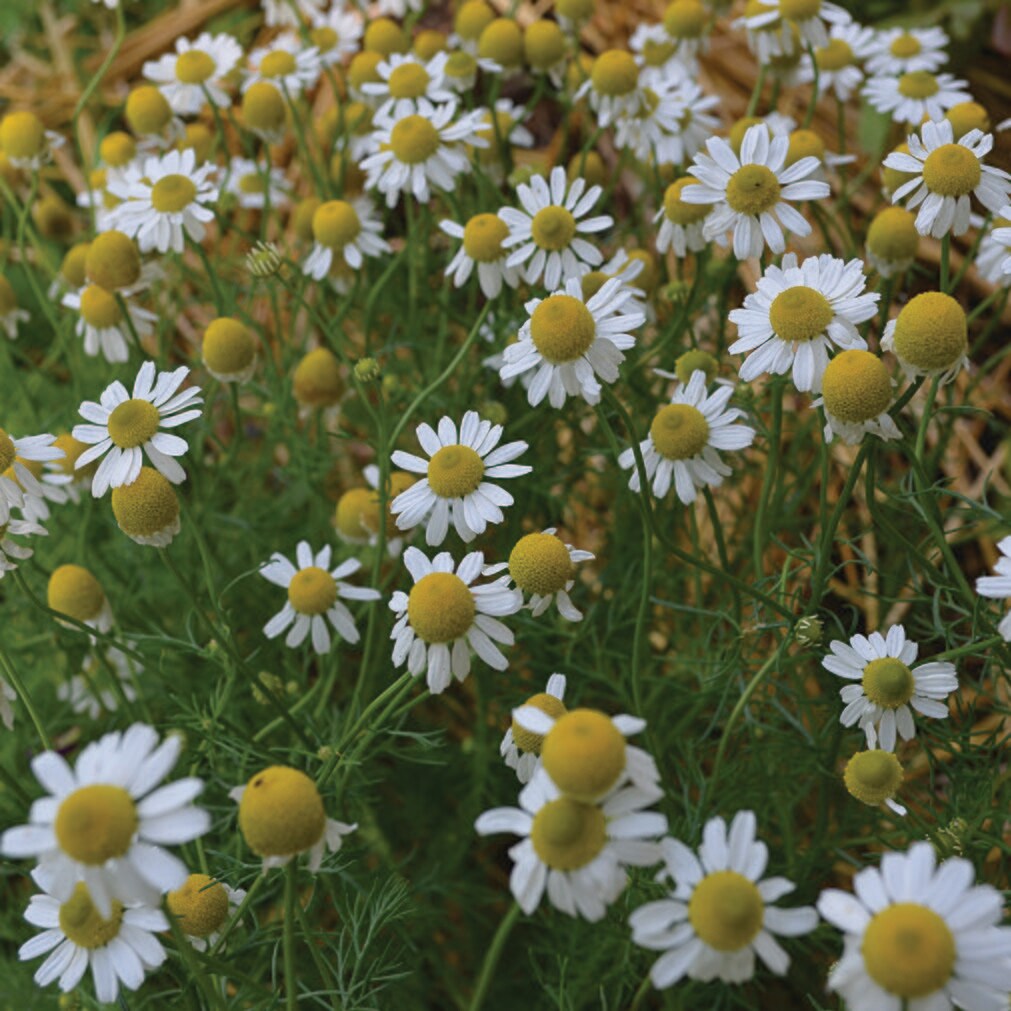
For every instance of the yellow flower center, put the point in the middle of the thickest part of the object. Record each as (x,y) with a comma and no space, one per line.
(575,10)
(96,823)
(540,563)
(414,140)
(804,144)
(544,44)
(279,63)
(892,235)
(441,607)
(409,80)
(918,84)
(117,149)
(525,739)
(677,210)
(252,182)
(502,41)
(908,950)
(72,449)
(22,135)
(147,110)
(685,19)
(324,38)
(385,36)
(74,591)
(483,236)
(591,282)
(263,107)
(112,260)
(873,776)
(584,754)
(317,379)
(740,127)
(8,452)
(472,18)
(312,591)
(966,116)
(200,906)
(696,361)
(82,923)
(656,54)
(888,682)
(836,55)
(562,329)
(146,507)
(931,332)
(679,431)
(799,10)
(133,422)
(726,910)
(281,812)
(567,835)
(335,224)
(614,73)
(194,66)
(99,308)
(455,471)
(800,313)
(228,346)
(952,171)
(553,228)
(904,46)
(460,65)
(172,194)
(856,387)
(753,189)
(350,514)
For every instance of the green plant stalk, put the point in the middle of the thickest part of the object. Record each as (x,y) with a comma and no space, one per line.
(26,700)
(290,974)
(815,88)
(945,261)
(492,956)
(772,463)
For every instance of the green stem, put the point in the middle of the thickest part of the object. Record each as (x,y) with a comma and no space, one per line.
(640,994)
(492,956)
(26,700)
(290,976)
(771,465)
(196,971)
(756,91)
(945,261)
(928,410)
(972,647)
(815,88)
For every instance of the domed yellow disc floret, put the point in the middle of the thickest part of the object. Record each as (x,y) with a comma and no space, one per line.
(349,517)
(194,67)
(147,507)
(363,68)
(753,189)
(888,682)
(584,754)
(649,276)
(441,607)
(655,53)
(931,332)
(335,224)
(872,777)
(615,72)
(317,379)
(74,591)
(53,217)
(385,36)
(575,10)
(836,55)
(133,422)
(543,44)
(281,812)
(8,299)
(455,471)
(279,63)
(117,149)
(800,313)
(591,168)
(735,135)
(113,260)
(966,116)
(685,19)
(22,135)
(679,431)
(472,18)
(399,482)
(892,235)
(905,45)
(502,41)
(676,209)
(553,228)
(799,10)
(726,910)
(908,950)
(461,65)
(804,144)
(263,107)
(200,905)
(540,563)
(82,923)
(525,739)
(96,823)
(952,171)
(483,236)
(562,329)
(892,179)
(312,591)
(147,110)
(409,80)
(429,43)
(99,307)
(73,269)
(302,215)
(918,84)
(591,282)
(197,138)
(567,835)
(856,386)
(696,361)
(172,193)
(8,452)
(72,449)
(413,140)
(228,346)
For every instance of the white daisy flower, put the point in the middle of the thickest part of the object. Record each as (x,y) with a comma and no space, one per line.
(684,441)
(455,485)
(797,313)
(999,586)
(11,552)
(568,341)
(357,518)
(481,247)
(425,148)
(686,27)
(249,184)
(653,129)
(812,18)
(503,132)
(84,692)
(102,324)
(16,477)
(839,62)
(751,191)
(405,80)
(290,13)
(695,125)
(164,199)
(521,749)
(104,822)
(397,8)
(660,57)
(856,394)
(10,314)
(920,936)
(720,914)
(912,97)
(123,429)
(286,63)
(336,33)
(943,175)
(195,72)
(774,39)
(576,851)
(889,685)
(26,142)
(548,228)
(902,50)
(993,261)
(315,592)
(345,230)
(682,225)
(202,906)
(119,945)
(929,336)
(444,617)
(612,86)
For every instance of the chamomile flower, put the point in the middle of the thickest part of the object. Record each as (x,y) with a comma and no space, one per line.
(696,123)
(357,518)
(202,906)
(26,142)
(569,341)
(10,313)
(684,441)
(613,85)
(770,37)
(856,392)
(147,509)
(195,72)
(445,616)
(681,223)
(892,241)
(106,323)
(521,749)
(84,692)
(281,816)
(999,586)
(889,685)
(290,13)
(943,173)
(74,591)
(575,850)
(458,475)
(904,50)
(256,186)
(16,477)
(914,96)
(404,80)
(797,313)
(751,192)
(720,914)
(686,26)
(228,350)
(920,935)
(344,230)
(652,129)
(123,428)
(813,18)
(549,227)
(993,261)
(481,247)
(420,150)
(929,336)
(336,33)
(164,200)
(874,777)
(286,63)
(315,592)
(118,944)
(11,552)
(840,60)
(104,821)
